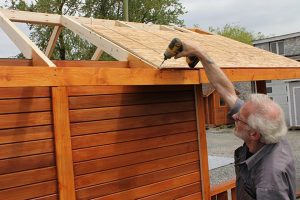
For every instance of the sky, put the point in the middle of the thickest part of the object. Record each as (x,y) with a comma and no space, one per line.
(270,17)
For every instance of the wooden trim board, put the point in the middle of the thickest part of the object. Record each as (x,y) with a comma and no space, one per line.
(202,143)
(68,76)
(62,134)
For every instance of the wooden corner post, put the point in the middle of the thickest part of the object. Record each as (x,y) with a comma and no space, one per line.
(62,133)
(202,143)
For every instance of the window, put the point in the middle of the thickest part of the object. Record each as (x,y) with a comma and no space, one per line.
(268,81)
(222,102)
(269,90)
(277,47)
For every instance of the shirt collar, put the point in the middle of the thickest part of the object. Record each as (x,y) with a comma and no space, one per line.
(266,149)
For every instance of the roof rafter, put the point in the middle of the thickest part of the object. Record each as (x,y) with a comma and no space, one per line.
(97,54)
(107,46)
(26,46)
(52,41)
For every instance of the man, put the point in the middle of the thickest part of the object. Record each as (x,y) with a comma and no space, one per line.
(264,165)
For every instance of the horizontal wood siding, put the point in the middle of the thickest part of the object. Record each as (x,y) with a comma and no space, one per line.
(27,160)
(134,142)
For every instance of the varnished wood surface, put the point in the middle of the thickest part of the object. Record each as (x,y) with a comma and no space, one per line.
(27,164)
(127,138)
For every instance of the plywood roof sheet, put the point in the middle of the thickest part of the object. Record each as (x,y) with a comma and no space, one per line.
(148,42)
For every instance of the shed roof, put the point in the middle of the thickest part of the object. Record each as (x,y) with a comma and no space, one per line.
(149,42)
(140,47)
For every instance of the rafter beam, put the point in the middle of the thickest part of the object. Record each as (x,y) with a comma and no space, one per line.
(26,46)
(52,41)
(92,37)
(31,17)
(97,54)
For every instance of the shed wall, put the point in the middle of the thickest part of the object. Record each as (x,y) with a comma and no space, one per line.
(134,142)
(27,160)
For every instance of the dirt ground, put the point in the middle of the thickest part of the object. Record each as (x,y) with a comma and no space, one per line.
(222,142)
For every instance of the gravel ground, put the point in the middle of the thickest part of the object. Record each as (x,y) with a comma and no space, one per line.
(222,142)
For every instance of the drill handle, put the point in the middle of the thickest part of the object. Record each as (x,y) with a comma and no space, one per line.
(192,61)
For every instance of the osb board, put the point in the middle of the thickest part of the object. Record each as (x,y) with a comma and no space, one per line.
(149,44)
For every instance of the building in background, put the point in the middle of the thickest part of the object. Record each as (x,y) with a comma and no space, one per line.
(216,108)
(285,92)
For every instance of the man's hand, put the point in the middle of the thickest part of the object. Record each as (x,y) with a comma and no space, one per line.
(214,74)
(190,49)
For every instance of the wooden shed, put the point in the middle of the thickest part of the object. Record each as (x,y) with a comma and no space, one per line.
(215,107)
(113,130)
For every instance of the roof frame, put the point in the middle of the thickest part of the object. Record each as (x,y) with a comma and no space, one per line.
(73,23)
(106,45)
(27,47)
(76,25)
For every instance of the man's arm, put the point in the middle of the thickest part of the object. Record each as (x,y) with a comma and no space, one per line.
(214,74)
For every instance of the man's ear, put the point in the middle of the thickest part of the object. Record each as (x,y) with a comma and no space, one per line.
(255,135)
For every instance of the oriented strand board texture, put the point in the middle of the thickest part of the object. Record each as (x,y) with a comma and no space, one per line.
(134,142)
(149,42)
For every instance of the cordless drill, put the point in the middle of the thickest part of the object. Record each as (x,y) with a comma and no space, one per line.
(176,47)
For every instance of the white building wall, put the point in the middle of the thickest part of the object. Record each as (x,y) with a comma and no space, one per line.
(294,103)
(279,94)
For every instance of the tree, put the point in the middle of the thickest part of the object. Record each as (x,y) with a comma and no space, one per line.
(237,32)
(70,46)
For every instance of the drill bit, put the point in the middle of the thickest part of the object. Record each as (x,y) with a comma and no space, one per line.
(162,63)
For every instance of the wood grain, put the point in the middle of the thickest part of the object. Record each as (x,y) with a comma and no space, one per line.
(26,148)
(27,177)
(133,170)
(131,134)
(24,92)
(63,148)
(133,146)
(29,191)
(121,89)
(203,154)
(24,105)
(25,119)
(128,99)
(129,111)
(128,123)
(26,163)
(176,193)
(154,188)
(26,134)
(136,181)
(133,158)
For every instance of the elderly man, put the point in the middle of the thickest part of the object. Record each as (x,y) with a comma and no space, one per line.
(264,165)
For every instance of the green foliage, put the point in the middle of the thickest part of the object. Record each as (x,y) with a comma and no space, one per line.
(238,33)
(69,46)
(156,11)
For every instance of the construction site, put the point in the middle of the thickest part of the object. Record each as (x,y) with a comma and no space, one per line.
(125,129)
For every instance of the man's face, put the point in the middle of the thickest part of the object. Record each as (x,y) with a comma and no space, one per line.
(242,128)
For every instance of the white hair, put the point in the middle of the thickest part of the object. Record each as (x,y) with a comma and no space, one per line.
(267,118)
